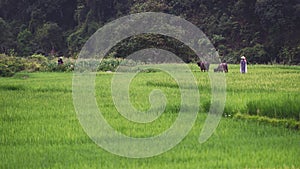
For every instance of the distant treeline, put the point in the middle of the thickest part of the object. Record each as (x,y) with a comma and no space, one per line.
(265,31)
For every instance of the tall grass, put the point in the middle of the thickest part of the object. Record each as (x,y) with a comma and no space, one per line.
(278,107)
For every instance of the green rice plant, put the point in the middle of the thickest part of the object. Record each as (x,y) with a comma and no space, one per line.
(288,123)
(12,87)
(39,127)
(282,107)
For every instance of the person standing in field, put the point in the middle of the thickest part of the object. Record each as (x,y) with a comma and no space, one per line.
(60,61)
(243,68)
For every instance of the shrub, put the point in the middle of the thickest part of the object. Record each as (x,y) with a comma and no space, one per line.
(112,64)
(52,66)
(36,62)
(109,64)
(150,70)
(9,65)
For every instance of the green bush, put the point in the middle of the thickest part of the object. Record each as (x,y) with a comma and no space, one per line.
(108,65)
(5,71)
(150,70)
(36,62)
(52,66)
(112,64)
(9,65)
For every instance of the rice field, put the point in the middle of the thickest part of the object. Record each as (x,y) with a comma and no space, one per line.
(39,127)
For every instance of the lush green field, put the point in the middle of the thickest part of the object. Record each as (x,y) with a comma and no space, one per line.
(39,127)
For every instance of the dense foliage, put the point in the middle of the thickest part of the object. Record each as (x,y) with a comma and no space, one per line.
(266,31)
(10,65)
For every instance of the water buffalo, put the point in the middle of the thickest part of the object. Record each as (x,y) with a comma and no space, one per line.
(204,66)
(223,67)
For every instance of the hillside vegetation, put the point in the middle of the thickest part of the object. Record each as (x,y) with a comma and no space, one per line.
(266,31)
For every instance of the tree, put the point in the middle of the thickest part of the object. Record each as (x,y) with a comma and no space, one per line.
(232,25)
(6,37)
(50,37)
(25,43)
(278,20)
(149,6)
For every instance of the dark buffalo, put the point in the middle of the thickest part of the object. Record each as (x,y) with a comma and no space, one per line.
(204,66)
(223,67)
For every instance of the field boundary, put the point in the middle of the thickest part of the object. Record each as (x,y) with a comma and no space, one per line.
(288,123)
